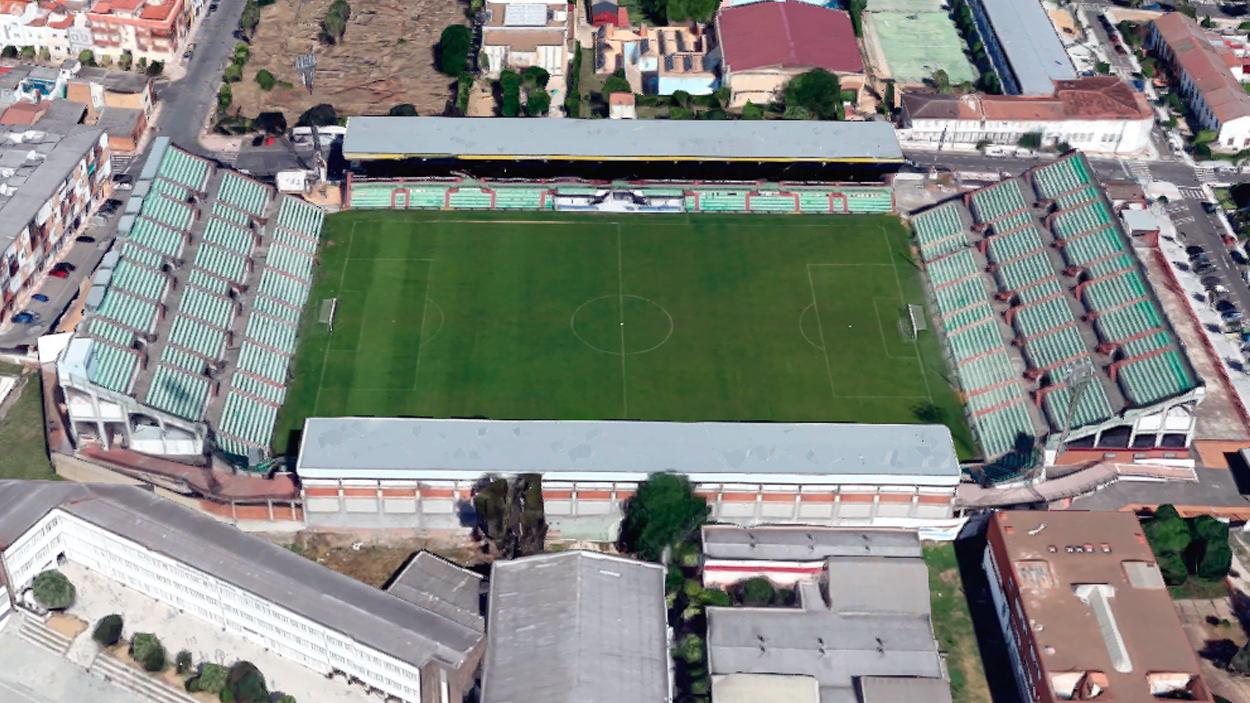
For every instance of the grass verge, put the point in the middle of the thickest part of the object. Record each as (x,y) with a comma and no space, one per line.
(25,452)
(952,624)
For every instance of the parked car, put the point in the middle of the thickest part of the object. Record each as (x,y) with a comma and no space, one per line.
(1199,259)
(64,266)
(1194,250)
(1211,281)
(84,239)
(40,297)
(1119,49)
(59,273)
(123,181)
(1239,258)
(1231,316)
(1210,207)
(1203,269)
(1225,306)
(25,318)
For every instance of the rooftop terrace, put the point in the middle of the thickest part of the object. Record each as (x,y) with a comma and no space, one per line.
(200,308)
(1031,275)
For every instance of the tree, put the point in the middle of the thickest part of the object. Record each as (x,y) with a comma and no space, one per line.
(250,17)
(989,83)
(212,678)
(182,662)
(265,80)
(1207,22)
(125,61)
(1102,67)
(615,84)
(53,590)
(1204,136)
(758,591)
(1031,140)
(322,115)
(232,74)
(272,123)
(1167,532)
(751,111)
(681,98)
(142,66)
(86,57)
(512,516)
(510,93)
(9,52)
(857,8)
(1172,567)
(28,52)
(44,54)
(941,81)
(663,512)
(1214,560)
(690,649)
(536,77)
(108,631)
(817,91)
(224,97)
(246,684)
(453,49)
(242,53)
(156,68)
(680,113)
(404,110)
(146,649)
(286,699)
(335,22)
(537,103)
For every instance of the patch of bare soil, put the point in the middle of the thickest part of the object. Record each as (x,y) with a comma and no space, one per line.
(374,557)
(386,58)
(66,625)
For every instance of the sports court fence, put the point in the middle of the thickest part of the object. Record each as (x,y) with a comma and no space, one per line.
(465,194)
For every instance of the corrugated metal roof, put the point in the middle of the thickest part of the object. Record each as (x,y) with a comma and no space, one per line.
(806,542)
(506,138)
(433,583)
(1028,39)
(415,447)
(573,627)
(789,34)
(367,615)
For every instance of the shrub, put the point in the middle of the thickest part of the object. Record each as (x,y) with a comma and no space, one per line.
(335,22)
(271,123)
(53,590)
(1240,662)
(156,68)
(404,110)
(212,678)
(226,696)
(242,53)
(246,684)
(44,54)
(751,111)
(86,57)
(265,80)
(286,699)
(690,650)
(125,61)
(1172,566)
(250,17)
(224,97)
(28,52)
(108,631)
(1032,140)
(146,649)
(232,74)
(681,98)
(615,84)
(182,662)
(464,87)
(453,49)
(796,112)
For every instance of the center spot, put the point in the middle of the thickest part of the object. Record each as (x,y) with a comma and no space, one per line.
(603,323)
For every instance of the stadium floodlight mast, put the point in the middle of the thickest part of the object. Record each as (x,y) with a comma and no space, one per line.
(1078,378)
(306,67)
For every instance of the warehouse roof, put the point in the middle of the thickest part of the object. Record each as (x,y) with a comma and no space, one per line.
(666,140)
(576,626)
(412,447)
(790,34)
(431,582)
(806,542)
(1028,39)
(369,616)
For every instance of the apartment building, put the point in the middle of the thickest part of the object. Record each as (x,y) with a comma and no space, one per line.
(1204,74)
(155,30)
(422,473)
(1084,610)
(657,60)
(418,644)
(51,176)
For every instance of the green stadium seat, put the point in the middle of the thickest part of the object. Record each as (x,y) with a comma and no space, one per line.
(207,308)
(184,169)
(112,367)
(135,279)
(127,310)
(243,193)
(178,393)
(196,336)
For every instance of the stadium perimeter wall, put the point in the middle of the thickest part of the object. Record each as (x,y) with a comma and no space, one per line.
(465,194)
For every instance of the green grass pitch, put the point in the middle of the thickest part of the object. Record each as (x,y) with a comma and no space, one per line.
(648,317)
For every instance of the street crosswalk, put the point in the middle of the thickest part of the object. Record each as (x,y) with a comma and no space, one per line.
(1206,175)
(1137,169)
(1192,193)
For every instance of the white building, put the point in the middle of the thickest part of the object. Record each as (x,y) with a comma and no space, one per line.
(422,473)
(1101,114)
(1206,79)
(517,34)
(417,649)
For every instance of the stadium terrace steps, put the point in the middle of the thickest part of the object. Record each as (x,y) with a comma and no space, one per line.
(185,169)
(1107,312)
(243,193)
(112,367)
(178,393)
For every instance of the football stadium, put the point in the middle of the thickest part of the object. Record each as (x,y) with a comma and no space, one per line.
(545,315)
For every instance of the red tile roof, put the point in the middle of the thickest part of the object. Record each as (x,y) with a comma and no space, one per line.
(1094,98)
(790,34)
(1206,65)
(23,113)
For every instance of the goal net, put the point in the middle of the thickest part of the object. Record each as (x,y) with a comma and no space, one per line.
(326,315)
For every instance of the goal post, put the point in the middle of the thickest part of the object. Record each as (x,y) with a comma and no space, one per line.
(326,315)
(912,322)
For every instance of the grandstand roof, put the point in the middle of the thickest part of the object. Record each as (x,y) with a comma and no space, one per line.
(417,447)
(1070,287)
(611,140)
(227,260)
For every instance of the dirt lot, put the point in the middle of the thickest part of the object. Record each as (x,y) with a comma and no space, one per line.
(1215,630)
(374,557)
(386,58)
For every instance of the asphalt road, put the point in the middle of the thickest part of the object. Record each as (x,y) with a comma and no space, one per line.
(187,101)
